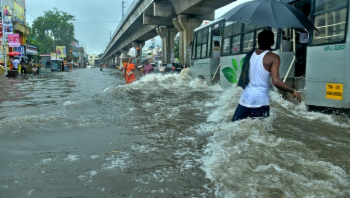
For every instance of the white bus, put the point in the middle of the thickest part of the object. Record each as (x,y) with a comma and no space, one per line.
(319,67)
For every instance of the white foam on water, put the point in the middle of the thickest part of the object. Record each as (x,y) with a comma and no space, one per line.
(93,173)
(301,110)
(68,103)
(243,160)
(44,161)
(30,192)
(116,162)
(72,158)
(144,148)
(94,156)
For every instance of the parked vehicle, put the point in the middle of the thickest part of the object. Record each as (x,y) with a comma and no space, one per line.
(173,67)
(154,65)
(162,67)
(140,66)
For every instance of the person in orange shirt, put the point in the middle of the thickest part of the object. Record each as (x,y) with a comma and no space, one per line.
(128,71)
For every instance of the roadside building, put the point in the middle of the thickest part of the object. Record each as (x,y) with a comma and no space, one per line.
(82,60)
(15,29)
(32,51)
(92,58)
(75,52)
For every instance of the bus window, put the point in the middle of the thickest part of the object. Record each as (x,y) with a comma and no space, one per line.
(228,29)
(236,43)
(204,42)
(209,41)
(331,25)
(226,46)
(216,43)
(198,51)
(204,50)
(194,48)
(201,44)
(248,42)
(232,32)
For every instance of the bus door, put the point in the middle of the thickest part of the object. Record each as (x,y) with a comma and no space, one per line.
(215,50)
(301,40)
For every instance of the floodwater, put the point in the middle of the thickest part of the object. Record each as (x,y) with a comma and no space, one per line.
(86,134)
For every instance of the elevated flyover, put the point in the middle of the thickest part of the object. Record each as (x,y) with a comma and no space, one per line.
(146,19)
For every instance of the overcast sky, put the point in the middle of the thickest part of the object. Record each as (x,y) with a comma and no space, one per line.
(94,21)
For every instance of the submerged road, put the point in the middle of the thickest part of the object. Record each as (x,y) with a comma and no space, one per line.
(87,134)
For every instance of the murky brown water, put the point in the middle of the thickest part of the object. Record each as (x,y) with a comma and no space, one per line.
(86,134)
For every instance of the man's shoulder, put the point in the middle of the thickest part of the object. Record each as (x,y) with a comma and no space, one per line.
(272,55)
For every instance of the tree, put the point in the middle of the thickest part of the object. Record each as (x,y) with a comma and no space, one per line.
(53,29)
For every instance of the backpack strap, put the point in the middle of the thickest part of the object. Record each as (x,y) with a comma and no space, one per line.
(244,77)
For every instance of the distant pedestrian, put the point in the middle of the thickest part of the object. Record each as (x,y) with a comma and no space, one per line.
(101,67)
(23,67)
(128,72)
(148,68)
(15,63)
(35,70)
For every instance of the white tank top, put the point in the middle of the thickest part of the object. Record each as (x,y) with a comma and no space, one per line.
(256,93)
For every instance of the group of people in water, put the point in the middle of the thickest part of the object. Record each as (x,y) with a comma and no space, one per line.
(129,69)
(15,63)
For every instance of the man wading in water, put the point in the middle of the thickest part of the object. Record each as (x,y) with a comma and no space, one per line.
(254,101)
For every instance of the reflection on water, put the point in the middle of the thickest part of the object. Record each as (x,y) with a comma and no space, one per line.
(163,136)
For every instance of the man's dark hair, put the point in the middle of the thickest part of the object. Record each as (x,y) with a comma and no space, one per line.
(216,43)
(266,38)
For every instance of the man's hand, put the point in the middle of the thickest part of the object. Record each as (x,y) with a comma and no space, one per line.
(296,95)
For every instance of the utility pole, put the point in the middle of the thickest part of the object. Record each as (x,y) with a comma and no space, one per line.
(123,2)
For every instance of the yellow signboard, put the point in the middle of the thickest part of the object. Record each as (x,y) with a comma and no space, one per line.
(334,91)
(19,12)
(61,51)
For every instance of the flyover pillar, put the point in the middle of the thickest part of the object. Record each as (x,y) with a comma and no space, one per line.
(125,55)
(167,35)
(113,60)
(138,51)
(186,25)
(118,59)
(163,44)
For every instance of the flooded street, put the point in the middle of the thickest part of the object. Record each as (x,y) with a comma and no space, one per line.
(87,134)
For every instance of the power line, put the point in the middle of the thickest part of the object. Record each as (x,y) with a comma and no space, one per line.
(32,10)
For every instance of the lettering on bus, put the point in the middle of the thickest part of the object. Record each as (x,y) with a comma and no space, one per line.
(334,91)
(201,64)
(334,47)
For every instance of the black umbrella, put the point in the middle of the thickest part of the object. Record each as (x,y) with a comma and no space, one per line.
(270,13)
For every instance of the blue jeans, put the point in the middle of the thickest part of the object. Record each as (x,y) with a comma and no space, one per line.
(243,112)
